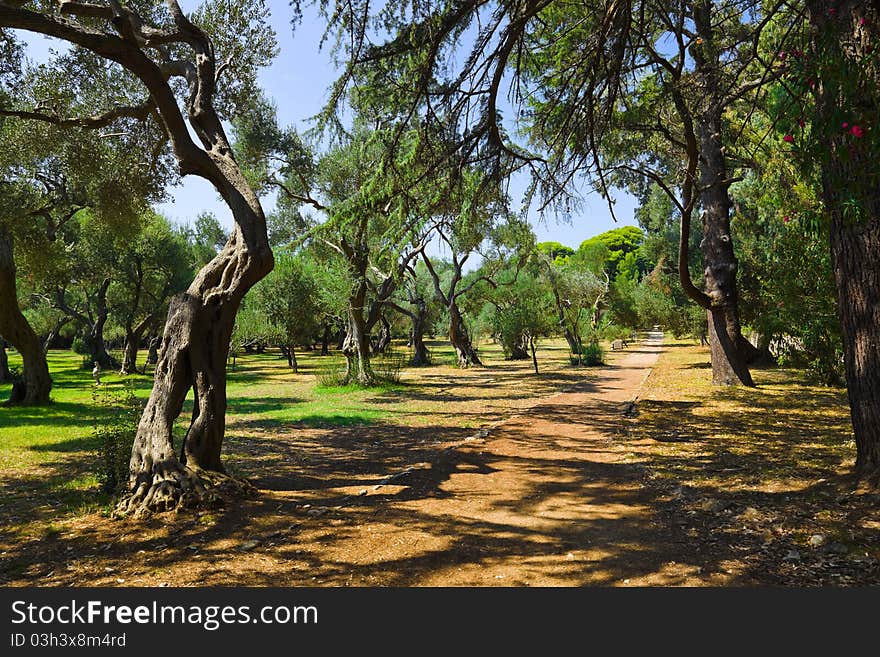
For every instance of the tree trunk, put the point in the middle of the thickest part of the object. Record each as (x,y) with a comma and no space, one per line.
(421,355)
(460,339)
(851,197)
(357,342)
(725,335)
(193,356)
(728,363)
(95,337)
(384,337)
(129,359)
(290,354)
(519,348)
(325,341)
(534,354)
(5,374)
(55,332)
(153,349)
(36,383)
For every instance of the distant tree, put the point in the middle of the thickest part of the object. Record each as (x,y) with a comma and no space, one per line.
(152,267)
(290,301)
(618,243)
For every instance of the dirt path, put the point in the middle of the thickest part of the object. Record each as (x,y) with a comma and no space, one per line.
(547,499)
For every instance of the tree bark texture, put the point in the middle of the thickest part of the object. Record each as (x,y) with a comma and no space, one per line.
(421,356)
(851,195)
(706,180)
(130,353)
(461,339)
(35,385)
(153,349)
(383,340)
(725,334)
(356,346)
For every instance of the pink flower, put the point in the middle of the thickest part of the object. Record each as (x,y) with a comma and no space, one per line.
(801,123)
(862,21)
(788,139)
(845,125)
(786,219)
(856,131)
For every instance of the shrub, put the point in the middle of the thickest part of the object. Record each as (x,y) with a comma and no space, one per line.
(591,355)
(116,415)
(388,366)
(329,375)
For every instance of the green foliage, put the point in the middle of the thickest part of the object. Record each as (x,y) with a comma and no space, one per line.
(288,300)
(787,286)
(618,243)
(116,412)
(521,312)
(591,355)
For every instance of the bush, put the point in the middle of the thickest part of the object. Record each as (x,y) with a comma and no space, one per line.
(329,375)
(79,346)
(591,355)
(114,425)
(388,366)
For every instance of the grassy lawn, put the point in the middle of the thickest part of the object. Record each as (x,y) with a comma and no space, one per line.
(49,456)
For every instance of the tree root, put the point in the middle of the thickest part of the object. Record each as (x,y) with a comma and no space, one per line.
(179,488)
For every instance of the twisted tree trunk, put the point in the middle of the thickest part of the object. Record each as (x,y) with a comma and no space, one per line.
(356,346)
(200,321)
(55,332)
(383,340)
(193,356)
(461,339)
(36,383)
(153,349)
(95,338)
(421,355)
(130,352)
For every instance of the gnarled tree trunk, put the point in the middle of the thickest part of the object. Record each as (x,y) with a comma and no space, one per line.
(193,356)
(356,346)
(36,384)
(421,355)
(55,332)
(461,339)
(130,353)
(383,340)
(153,349)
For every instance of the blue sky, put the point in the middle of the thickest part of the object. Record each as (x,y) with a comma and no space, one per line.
(298,81)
